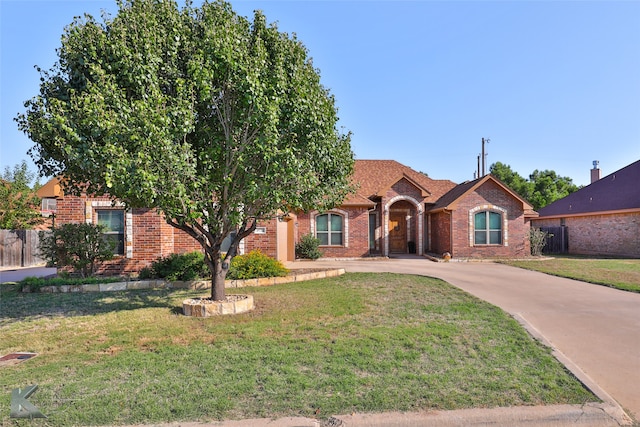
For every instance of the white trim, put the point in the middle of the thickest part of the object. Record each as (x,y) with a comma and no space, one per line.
(420,214)
(345,226)
(505,224)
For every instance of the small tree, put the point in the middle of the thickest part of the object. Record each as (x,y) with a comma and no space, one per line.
(538,240)
(308,247)
(217,121)
(79,246)
(19,204)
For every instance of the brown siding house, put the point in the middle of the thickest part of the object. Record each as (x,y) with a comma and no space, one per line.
(602,218)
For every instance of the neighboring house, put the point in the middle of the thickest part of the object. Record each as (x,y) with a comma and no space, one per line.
(602,218)
(394,210)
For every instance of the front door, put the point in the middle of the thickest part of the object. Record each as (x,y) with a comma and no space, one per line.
(397,232)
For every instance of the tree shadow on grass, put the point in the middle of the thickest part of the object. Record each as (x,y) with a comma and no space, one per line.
(16,306)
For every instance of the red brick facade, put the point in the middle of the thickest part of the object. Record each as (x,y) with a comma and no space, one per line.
(492,197)
(397,210)
(355,236)
(147,234)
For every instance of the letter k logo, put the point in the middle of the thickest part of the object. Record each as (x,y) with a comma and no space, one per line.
(20,407)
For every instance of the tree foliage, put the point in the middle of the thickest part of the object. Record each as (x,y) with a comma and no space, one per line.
(19,204)
(79,246)
(216,120)
(542,187)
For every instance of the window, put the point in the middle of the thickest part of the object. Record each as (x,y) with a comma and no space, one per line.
(48,204)
(488,228)
(113,221)
(329,229)
(373,219)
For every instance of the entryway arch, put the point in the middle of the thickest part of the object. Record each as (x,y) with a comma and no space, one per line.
(403,225)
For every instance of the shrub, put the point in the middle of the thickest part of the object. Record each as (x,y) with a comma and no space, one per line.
(255,264)
(79,246)
(187,266)
(538,240)
(308,247)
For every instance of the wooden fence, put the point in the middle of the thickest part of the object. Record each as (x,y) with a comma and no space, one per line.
(557,240)
(19,248)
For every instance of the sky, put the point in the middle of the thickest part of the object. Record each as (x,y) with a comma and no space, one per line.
(552,84)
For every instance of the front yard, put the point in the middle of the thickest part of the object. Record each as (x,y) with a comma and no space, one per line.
(354,343)
(622,274)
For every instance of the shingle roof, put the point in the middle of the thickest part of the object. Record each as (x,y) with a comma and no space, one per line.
(375,176)
(615,192)
(449,200)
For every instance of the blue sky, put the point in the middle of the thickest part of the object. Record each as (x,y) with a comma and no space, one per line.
(553,84)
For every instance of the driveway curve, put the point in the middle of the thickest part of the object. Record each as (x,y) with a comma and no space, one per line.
(596,328)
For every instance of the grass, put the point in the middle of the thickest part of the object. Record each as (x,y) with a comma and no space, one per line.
(623,274)
(354,343)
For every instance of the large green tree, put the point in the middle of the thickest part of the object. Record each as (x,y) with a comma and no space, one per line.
(19,204)
(542,187)
(216,120)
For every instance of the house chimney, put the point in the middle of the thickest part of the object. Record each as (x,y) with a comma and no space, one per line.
(595,172)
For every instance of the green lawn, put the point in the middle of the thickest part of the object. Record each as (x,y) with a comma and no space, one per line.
(622,274)
(354,343)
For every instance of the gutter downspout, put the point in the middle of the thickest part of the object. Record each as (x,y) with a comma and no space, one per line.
(450,231)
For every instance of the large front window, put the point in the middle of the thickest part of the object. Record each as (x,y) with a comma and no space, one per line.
(329,229)
(113,221)
(488,228)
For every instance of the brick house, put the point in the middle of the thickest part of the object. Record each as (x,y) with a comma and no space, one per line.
(399,210)
(395,210)
(602,218)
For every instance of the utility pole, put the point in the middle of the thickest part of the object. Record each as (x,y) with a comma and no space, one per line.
(478,173)
(484,160)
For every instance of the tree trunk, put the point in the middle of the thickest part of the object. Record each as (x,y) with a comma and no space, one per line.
(217,280)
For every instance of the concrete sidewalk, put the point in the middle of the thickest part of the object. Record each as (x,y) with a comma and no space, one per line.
(15,274)
(588,415)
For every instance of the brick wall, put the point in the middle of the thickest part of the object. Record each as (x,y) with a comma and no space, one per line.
(266,242)
(515,242)
(151,237)
(356,233)
(613,234)
(439,233)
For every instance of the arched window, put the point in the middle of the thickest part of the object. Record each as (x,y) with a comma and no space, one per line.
(487,228)
(329,229)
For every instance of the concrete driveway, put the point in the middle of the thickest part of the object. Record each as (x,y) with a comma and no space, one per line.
(18,273)
(595,330)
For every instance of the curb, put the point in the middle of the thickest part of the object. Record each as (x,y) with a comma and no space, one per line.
(609,405)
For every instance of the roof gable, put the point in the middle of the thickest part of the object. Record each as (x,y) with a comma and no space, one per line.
(375,177)
(450,200)
(619,191)
(51,189)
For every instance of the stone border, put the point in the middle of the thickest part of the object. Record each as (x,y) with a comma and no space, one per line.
(195,284)
(196,307)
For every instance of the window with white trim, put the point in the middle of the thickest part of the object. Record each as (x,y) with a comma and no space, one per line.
(330,229)
(113,221)
(487,228)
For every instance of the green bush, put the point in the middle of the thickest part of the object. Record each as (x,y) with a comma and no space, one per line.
(187,266)
(255,264)
(308,247)
(79,246)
